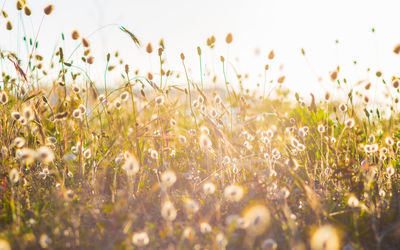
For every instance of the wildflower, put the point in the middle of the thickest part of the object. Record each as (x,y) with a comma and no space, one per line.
(168,178)
(131,166)
(233,193)
(209,188)
(172,122)
(45,154)
(14,175)
(168,211)
(258,219)
(349,123)
(3,97)
(326,237)
(140,239)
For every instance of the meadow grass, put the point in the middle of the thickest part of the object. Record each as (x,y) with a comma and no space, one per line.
(148,163)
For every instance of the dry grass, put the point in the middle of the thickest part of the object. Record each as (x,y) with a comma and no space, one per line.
(149,163)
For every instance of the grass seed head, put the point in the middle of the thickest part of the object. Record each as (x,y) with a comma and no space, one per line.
(3,97)
(49,9)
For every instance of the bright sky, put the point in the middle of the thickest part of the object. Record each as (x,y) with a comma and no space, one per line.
(284,26)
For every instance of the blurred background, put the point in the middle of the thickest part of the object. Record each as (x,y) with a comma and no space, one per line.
(332,33)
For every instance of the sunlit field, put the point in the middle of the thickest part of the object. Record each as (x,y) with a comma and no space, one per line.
(157,160)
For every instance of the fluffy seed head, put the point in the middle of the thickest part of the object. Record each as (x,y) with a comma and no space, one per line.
(343,107)
(15,115)
(209,188)
(257,218)
(14,175)
(131,165)
(140,239)
(353,201)
(45,154)
(3,97)
(205,142)
(75,35)
(168,211)
(168,178)
(124,96)
(233,193)
(325,238)
(159,100)
(349,123)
